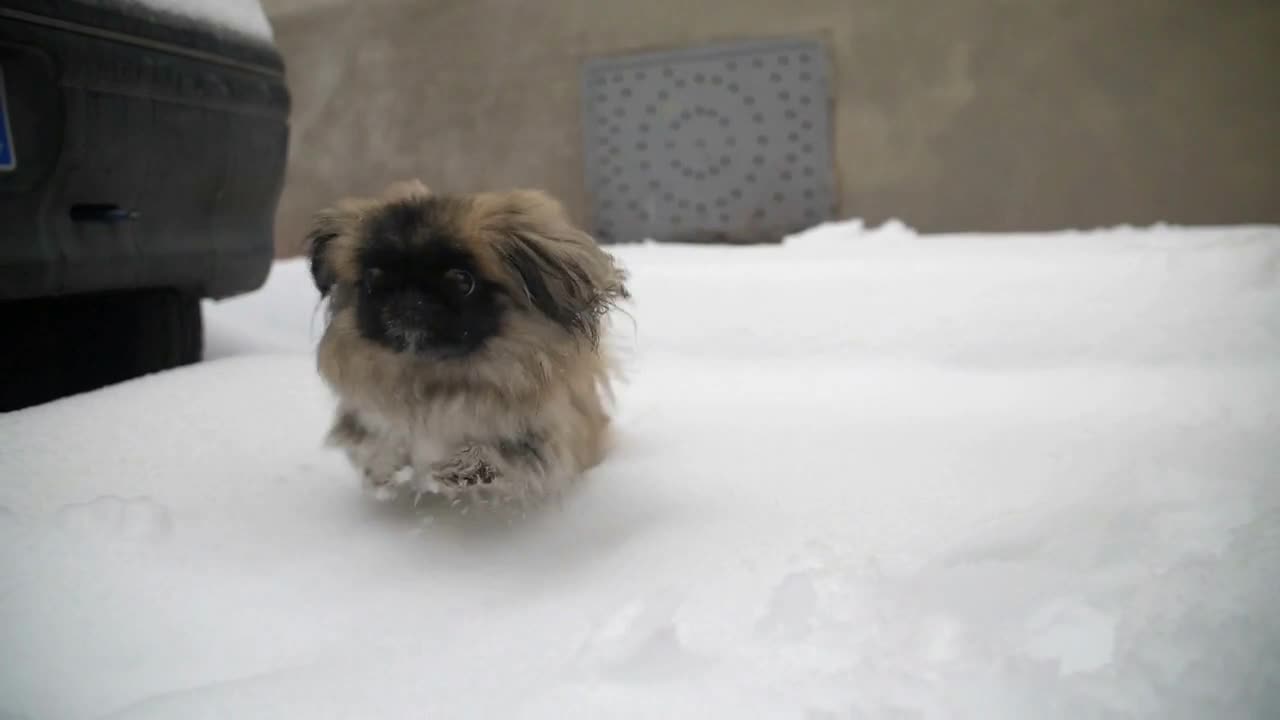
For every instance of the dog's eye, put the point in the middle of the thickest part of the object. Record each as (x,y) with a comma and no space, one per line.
(461,281)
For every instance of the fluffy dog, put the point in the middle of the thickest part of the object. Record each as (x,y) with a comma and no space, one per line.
(463,341)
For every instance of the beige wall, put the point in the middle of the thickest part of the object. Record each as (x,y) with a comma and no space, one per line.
(949,114)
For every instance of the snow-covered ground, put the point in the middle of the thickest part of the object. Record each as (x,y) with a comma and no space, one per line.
(868,474)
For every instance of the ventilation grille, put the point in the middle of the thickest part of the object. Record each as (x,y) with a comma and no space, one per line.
(720,144)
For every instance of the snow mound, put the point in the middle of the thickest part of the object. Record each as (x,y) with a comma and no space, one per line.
(242,17)
(864,474)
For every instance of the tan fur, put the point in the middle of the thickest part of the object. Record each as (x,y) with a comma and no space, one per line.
(408,421)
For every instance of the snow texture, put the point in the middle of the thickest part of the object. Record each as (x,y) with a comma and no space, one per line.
(242,17)
(866,474)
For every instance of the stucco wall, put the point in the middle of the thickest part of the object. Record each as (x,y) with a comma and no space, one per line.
(957,115)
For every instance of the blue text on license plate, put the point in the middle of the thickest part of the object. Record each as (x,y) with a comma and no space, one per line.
(8,157)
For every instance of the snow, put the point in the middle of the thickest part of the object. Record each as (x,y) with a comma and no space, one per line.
(243,17)
(865,474)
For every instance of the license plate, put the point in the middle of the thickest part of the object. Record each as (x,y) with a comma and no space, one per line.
(8,157)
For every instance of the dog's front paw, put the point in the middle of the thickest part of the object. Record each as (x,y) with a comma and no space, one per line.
(466,470)
(385,485)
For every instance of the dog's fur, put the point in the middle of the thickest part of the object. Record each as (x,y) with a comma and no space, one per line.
(493,389)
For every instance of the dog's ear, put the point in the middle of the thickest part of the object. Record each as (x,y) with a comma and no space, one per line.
(325,228)
(563,273)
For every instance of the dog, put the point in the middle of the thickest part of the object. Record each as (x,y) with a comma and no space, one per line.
(464,340)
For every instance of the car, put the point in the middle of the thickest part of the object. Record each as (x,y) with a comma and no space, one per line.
(142,155)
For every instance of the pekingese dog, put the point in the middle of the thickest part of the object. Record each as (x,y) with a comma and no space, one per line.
(463,341)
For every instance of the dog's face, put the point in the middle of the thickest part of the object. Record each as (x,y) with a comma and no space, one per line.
(441,277)
(421,290)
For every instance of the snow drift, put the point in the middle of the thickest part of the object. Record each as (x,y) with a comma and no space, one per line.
(865,474)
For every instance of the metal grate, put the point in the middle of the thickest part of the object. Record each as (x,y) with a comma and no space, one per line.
(729,143)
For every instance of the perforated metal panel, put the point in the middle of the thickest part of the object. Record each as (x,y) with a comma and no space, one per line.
(724,143)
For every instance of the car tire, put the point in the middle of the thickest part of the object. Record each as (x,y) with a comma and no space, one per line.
(60,346)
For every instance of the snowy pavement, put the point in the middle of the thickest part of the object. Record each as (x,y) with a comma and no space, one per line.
(867,474)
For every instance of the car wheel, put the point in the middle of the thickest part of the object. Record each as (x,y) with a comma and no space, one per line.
(54,347)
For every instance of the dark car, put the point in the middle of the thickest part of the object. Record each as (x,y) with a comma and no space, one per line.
(142,154)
